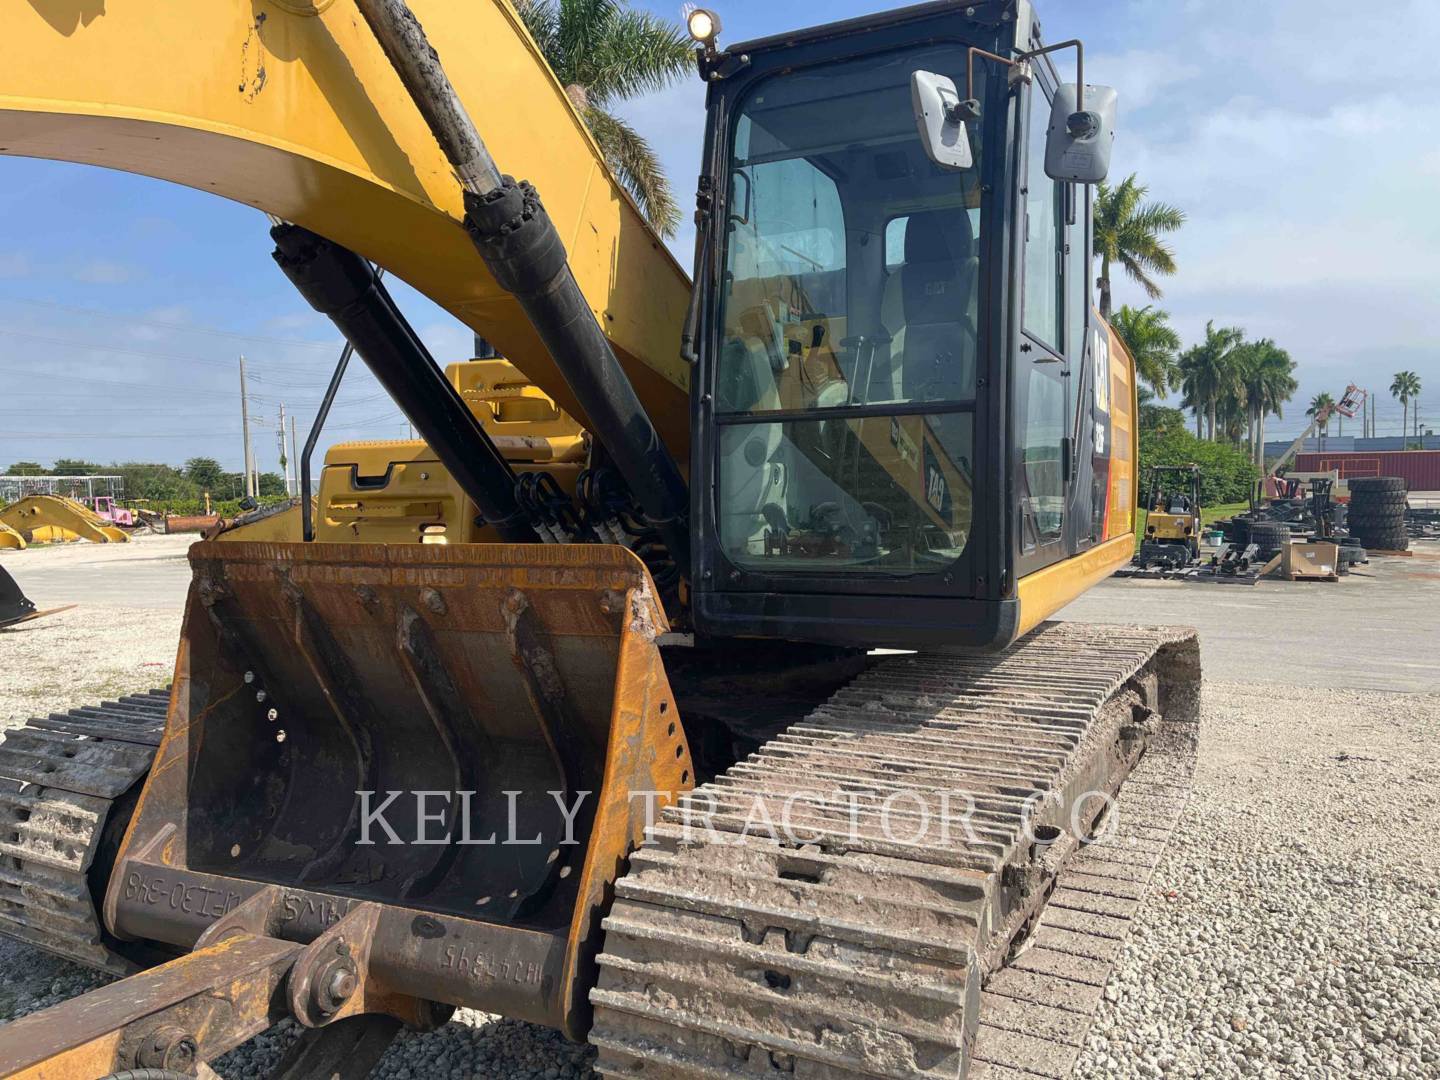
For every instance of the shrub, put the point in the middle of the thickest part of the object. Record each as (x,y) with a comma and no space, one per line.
(1227,474)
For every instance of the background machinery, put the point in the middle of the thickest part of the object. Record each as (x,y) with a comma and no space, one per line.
(1172,518)
(613,617)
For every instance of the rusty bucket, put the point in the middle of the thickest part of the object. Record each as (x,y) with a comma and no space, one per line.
(462,742)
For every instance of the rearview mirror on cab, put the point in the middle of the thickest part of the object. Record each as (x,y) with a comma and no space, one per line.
(1081,134)
(940,116)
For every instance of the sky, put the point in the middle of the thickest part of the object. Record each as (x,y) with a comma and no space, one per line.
(1298,135)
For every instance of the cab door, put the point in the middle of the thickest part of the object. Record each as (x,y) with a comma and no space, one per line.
(1042,373)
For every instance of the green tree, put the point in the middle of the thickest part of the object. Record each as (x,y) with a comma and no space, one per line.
(1268,376)
(76,467)
(603,52)
(205,473)
(1322,407)
(1128,232)
(271,485)
(1153,343)
(155,482)
(1406,387)
(1209,374)
(26,468)
(1159,419)
(1226,473)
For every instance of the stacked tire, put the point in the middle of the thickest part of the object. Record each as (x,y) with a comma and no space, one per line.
(1270,538)
(1377,513)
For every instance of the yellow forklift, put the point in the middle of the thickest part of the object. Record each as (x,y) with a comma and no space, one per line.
(1172,520)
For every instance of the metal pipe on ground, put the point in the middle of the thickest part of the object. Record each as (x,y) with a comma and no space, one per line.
(519,244)
(343,286)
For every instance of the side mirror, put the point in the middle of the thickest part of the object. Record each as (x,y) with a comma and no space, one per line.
(940,116)
(1080,137)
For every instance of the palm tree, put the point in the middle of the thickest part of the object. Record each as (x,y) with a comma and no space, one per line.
(1406,387)
(603,52)
(1128,232)
(1269,380)
(1209,374)
(1153,343)
(1322,407)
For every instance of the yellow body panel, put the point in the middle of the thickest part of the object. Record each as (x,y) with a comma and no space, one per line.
(9,538)
(1047,591)
(276,526)
(391,493)
(524,420)
(300,114)
(1125,439)
(1160,526)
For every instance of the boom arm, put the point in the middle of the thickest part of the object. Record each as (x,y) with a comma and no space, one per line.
(293,108)
(1347,407)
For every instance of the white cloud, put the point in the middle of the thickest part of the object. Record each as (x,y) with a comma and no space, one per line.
(1142,77)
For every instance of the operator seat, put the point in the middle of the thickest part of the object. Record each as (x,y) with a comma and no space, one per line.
(930,310)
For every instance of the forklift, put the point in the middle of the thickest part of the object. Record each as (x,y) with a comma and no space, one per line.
(1172,521)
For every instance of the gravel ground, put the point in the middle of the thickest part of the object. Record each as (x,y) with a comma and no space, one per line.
(1293,927)
(82,656)
(1294,924)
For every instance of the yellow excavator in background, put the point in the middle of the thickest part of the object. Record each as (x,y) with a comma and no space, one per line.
(55,519)
(573,711)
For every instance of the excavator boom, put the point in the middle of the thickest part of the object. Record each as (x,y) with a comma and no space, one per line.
(293,107)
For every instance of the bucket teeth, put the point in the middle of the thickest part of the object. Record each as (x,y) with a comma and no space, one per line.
(873,937)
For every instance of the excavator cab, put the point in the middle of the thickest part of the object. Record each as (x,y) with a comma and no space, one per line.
(905,404)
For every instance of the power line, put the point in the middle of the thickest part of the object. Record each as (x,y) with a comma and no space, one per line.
(130,384)
(105,347)
(189,328)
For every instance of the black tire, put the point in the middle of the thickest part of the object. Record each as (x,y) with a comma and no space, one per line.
(1269,538)
(1377,483)
(1239,533)
(1386,522)
(1371,502)
(1386,541)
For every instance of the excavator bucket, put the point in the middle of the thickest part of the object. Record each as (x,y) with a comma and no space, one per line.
(56,519)
(11,539)
(15,606)
(450,750)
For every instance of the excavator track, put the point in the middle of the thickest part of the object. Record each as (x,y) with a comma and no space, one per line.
(67,783)
(839,948)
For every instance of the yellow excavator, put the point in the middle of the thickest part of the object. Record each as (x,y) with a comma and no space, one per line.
(689,686)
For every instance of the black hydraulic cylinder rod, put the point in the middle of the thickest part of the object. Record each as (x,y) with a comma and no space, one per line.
(344,287)
(520,245)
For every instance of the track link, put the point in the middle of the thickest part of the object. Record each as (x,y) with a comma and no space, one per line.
(774,924)
(61,778)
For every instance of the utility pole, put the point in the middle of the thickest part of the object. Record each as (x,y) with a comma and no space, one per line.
(284,458)
(249,465)
(294,458)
